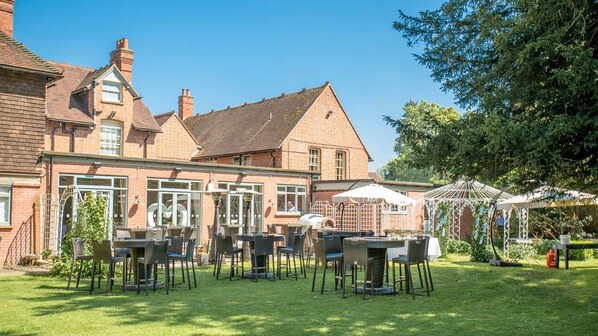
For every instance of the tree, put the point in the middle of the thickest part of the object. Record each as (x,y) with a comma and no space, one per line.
(420,124)
(528,70)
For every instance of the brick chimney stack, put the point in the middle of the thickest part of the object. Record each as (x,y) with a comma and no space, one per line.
(6,16)
(122,56)
(185,104)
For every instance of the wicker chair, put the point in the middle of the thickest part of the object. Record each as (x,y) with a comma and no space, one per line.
(102,253)
(296,249)
(78,255)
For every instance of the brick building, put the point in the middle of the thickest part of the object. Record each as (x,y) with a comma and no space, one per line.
(305,130)
(23,79)
(101,138)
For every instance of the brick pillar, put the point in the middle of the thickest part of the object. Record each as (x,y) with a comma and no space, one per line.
(6,16)
(185,104)
(122,56)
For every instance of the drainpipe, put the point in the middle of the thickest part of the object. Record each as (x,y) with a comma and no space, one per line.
(273,158)
(53,136)
(145,145)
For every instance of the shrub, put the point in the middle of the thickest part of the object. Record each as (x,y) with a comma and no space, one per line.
(522,251)
(482,255)
(458,246)
(543,247)
(580,255)
(90,225)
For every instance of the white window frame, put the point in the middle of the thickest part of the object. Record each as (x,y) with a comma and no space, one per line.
(340,166)
(5,193)
(109,89)
(314,159)
(106,147)
(300,190)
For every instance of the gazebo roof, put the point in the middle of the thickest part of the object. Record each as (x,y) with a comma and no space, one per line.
(465,190)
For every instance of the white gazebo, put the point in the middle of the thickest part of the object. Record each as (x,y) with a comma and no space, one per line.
(393,204)
(461,195)
(542,197)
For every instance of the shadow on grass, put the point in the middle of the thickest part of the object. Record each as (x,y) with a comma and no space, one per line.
(469,299)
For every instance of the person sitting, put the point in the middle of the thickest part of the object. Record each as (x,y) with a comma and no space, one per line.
(291,207)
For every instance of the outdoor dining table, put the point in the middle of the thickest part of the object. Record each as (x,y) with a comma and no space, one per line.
(260,260)
(377,247)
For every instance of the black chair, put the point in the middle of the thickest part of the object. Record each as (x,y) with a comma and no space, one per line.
(78,255)
(416,255)
(427,263)
(156,253)
(102,253)
(263,247)
(124,251)
(187,257)
(175,247)
(327,249)
(296,249)
(226,248)
(355,256)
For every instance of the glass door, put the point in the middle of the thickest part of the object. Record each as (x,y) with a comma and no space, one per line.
(174,209)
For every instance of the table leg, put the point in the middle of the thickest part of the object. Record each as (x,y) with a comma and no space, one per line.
(566,250)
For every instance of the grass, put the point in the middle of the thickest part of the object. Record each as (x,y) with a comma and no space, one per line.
(470,299)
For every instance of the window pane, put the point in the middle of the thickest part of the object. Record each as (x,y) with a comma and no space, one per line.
(94,182)
(66,180)
(111,92)
(110,138)
(120,182)
(175,185)
(4,209)
(153,184)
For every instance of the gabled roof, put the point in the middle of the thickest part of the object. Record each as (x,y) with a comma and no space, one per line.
(254,127)
(61,104)
(142,117)
(13,55)
(67,102)
(99,74)
(162,118)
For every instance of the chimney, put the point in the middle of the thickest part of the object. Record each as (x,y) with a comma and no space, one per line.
(6,16)
(185,104)
(122,56)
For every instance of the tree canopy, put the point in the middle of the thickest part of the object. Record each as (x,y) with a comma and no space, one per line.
(421,122)
(528,72)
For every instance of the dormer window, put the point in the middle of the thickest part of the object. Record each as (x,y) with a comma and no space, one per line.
(112,92)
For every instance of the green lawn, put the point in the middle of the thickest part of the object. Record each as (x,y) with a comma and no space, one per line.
(469,299)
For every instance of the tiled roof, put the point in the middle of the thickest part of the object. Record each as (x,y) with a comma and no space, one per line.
(90,77)
(163,117)
(15,56)
(61,104)
(142,117)
(253,127)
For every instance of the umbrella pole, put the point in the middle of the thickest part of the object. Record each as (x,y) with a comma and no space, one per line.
(342,205)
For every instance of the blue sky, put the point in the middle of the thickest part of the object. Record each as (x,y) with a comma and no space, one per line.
(231,52)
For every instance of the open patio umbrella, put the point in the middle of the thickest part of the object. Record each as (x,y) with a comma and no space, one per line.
(372,194)
(547,197)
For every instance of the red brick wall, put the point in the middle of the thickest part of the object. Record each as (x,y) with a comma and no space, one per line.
(19,239)
(174,143)
(330,133)
(22,120)
(137,186)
